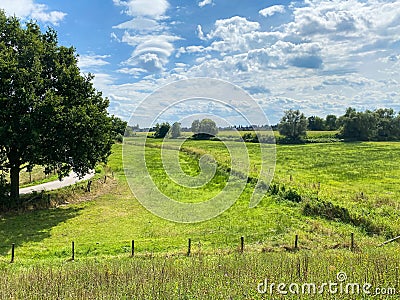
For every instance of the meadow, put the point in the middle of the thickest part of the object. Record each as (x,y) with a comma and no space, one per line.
(344,188)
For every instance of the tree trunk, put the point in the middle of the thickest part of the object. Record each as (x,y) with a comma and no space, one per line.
(14,180)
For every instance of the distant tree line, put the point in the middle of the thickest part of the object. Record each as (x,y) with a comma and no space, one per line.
(382,124)
(204,129)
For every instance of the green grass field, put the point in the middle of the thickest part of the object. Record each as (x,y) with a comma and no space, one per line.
(358,178)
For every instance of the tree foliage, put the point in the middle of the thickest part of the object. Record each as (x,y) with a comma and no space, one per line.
(161,130)
(316,123)
(331,122)
(176,130)
(204,129)
(195,126)
(380,125)
(293,125)
(50,114)
(118,125)
(118,128)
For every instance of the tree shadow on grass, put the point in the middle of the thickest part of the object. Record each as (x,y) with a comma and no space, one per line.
(33,226)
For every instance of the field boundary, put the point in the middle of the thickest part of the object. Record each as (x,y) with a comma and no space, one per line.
(130,248)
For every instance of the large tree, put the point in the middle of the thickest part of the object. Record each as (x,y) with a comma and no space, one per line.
(161,130)
(331,122)
(208,126)
(293,125)
(360,126)
(316,123)
(175,130)
(50,114)
(204,129)
(195,126)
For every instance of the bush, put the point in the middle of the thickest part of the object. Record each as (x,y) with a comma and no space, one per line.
(285,194)
(250,137)
(203,136)
(329,211)
(291,195)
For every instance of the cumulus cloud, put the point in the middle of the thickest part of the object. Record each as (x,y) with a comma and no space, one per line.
(29,9)
(272,10)
(232,34)
(205,2)
(200,33)
(236,25)
(327,56)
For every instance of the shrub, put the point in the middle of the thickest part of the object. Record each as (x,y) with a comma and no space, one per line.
(291,195)
(329,211)
(250,137)
(285,194)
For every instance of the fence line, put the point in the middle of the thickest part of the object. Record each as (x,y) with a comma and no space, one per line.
(241,247)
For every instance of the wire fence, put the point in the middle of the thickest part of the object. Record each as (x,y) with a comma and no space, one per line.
(141,247)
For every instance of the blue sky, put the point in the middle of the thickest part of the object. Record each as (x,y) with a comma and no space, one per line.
(318,56)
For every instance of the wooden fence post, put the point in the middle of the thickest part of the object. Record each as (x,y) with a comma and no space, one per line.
(242,244)
(12,252)
(88,186)
(296,242)
(352,242)
(133,248)
(73,251)
(189,247)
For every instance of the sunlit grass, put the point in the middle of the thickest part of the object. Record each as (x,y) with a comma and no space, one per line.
(361,177)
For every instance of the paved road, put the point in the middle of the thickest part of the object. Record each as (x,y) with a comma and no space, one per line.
(53,185)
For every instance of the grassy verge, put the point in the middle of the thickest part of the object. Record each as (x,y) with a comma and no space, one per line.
(228,276)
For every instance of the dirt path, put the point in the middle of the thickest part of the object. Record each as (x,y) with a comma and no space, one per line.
(53,185)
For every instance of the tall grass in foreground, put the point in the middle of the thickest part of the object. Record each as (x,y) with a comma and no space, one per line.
(234,276)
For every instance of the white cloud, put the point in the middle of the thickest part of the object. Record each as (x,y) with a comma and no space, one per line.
(141,24)
(232,34)
(330,55)
(29,9)
(148,34)
(227,28)
(235,34)
(151,52)
(154,8)
(205,2)
(132,71)
(103,81)
(92,60)
(272,10)
(200,33)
